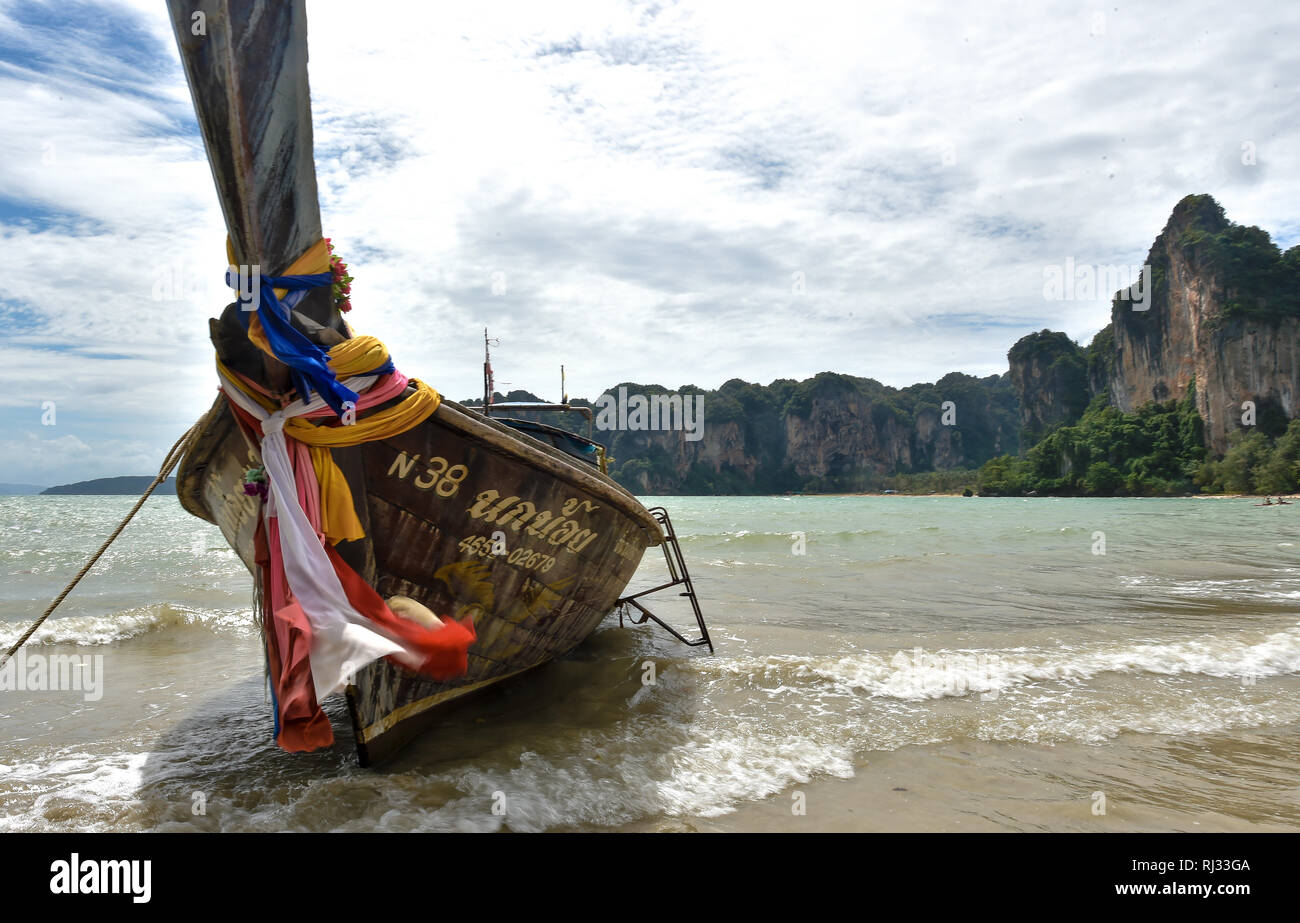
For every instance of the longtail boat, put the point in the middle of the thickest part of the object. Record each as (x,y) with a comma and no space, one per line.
(512,531)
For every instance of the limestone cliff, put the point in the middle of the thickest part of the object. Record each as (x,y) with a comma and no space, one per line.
(1049,372)
(1224,312)
(831,432)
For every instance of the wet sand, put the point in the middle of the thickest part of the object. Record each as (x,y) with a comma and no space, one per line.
(1242,782)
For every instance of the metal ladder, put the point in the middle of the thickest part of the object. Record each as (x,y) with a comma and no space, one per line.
(680,577)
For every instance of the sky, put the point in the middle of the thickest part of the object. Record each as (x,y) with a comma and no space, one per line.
(669,193)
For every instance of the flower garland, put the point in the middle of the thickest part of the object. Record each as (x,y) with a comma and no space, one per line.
(341,287)
(255,484)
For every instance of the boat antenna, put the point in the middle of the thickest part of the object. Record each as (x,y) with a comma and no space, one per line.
(488,384)
(564,394)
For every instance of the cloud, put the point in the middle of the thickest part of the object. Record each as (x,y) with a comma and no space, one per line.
(662,192)
(64,459)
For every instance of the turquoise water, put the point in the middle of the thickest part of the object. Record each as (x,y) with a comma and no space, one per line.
(852,633)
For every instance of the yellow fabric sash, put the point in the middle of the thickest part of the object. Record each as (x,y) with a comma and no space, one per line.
(357,356)
(412,411)
(338,514)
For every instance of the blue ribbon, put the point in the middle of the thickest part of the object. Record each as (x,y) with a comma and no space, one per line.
(308,363)
(275,708)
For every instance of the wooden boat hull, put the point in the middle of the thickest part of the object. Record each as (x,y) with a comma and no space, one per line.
(430,499)
(469,518)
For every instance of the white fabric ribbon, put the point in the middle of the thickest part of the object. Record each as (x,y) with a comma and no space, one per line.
(342,639)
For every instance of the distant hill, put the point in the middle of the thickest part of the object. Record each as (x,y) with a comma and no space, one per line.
(828,433)
(121,485)
(10,490)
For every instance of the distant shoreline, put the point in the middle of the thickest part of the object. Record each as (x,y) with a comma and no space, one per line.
(123,485)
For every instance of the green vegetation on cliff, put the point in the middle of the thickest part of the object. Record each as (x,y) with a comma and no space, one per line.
(1050,373)
(1157,451)
(1101,360)
(1259,279)
(1154,452)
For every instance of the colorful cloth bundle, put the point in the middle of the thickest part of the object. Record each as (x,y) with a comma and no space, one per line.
(322,621)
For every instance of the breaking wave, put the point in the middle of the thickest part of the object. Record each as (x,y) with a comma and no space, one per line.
(130,623)
(918,674)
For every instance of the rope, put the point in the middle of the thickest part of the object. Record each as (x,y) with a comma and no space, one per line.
(173,458)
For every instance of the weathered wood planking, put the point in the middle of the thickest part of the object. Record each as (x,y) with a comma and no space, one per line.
(247,73)
(209,481)
(569,550)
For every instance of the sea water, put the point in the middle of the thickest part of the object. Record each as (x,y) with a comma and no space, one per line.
(882,663)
